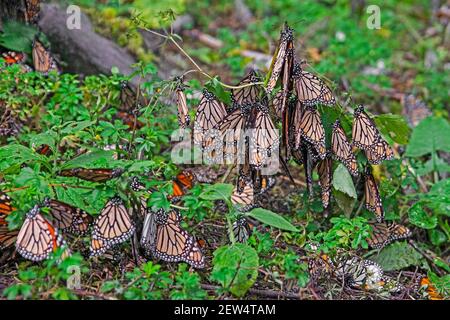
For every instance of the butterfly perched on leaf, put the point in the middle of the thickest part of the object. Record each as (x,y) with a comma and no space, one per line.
(94,175)
(243,196)
(43,60)
(183,181)
(112,227)
(310,90)
(383,234)
(131,101)
(173,243)
(242,229)
(342,149)
(38,238)
(372,196)
(68,218)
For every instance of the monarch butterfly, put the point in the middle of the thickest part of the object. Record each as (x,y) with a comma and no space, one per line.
(210,112)
(431,290)
(267,183)
(264,138)
(44,149)
(373,199)
(242,230)
(248,94)
(310,90)
(182,181)
(32,10)
(381,151)
(5,207)
(111,227)
(12,57)
(243,200)
(382,234)
(67,218)
(130,101)
(365,134)
(342,149)
(174,244)
(7,237)
(183,112)
(37,237)
(319,265)
(42,59)
(311,130)
(94,175)
(285,44)
(129,119)
(148,237)
(277,103)
(324,169)
(356,272)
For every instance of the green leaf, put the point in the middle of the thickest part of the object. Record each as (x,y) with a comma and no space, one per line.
(344,202)
(342,181)
(15,154)
(272,219)
(397,256)
(216,87)
(420,218)
(90,159)
(235,268)
(47,138)
(72,127)
(430,135)
(138,166)
(218,191)
(393,126)
(437,237)
(440,166)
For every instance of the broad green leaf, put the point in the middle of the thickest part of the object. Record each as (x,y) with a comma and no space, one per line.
(47,138)
(393,126)
(430,135)
(437,237)
(215,87)
(342,181)
(344,202)
(419,217)
(218,191)
(73,127)
(235,268)
(142,165)
(397,256)
(429,166)
(272,219)
(89,159)
(15,154)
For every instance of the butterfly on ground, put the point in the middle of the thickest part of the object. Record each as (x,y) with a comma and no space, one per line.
(285,45)
(372,196)
(173,243)
(242,229)
(310,90)
(112,227)
(67,218)
(311,129)
(38,238)
(7,237)
(342,149)
(324,169)
(43,60)
(432,293)
(383,234)
(5,207)
(183,181)
(355,272)
(94,175)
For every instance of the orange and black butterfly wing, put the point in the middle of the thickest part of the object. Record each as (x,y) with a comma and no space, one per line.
(43,61)
(5,207)
(324,169)
(7,237)
(94,175)
(342,149)
(372,197)
(68,218)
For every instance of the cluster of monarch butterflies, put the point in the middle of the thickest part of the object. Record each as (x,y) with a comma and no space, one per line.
(162,235)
